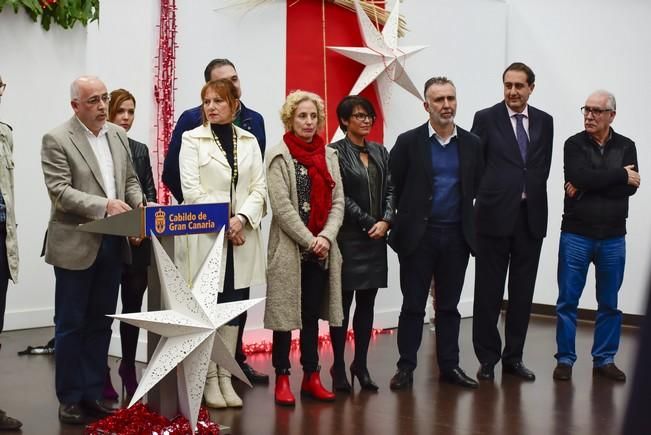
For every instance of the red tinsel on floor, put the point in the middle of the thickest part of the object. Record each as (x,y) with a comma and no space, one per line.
(164,89)
(265,346)
(139,420)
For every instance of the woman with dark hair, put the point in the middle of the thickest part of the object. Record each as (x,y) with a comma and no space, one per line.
(122,109)
(220,162)
(368,195)
(304,263)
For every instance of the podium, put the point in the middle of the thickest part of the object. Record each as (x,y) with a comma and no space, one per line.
(164,222)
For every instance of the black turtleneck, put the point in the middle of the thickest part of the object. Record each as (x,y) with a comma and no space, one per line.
(224,133)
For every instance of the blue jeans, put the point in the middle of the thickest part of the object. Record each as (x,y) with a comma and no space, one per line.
(575,253)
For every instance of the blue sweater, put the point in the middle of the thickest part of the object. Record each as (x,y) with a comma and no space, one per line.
(190,119)
(446,182)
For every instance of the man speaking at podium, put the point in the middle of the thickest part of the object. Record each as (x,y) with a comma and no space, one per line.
(89,176)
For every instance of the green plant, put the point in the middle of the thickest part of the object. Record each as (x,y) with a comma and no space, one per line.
(65,13)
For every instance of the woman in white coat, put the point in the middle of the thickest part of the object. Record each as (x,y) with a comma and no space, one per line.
(220,162)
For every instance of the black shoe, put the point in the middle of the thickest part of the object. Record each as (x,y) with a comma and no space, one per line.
(95,408)
(402,379)
(72,414)
(486,372)
(457,376)
(254,376)
(518,369)
(610,371)
(339,380)
(8,423)
(364,378)
(563,372)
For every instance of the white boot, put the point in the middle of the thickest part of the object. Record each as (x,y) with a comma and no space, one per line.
(229,335)
(212,393)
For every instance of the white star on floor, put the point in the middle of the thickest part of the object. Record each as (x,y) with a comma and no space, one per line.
(188,329)
(384,60)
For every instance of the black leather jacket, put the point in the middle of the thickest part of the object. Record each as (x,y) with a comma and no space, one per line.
(142,166)
(357,219)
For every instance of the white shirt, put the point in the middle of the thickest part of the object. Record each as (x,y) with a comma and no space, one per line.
(100,147)
(525,120)
(442,141)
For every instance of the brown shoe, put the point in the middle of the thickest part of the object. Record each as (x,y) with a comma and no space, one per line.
(609,371)
(563,372)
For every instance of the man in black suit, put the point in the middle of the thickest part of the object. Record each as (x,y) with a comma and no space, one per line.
(511,213)
(436,170)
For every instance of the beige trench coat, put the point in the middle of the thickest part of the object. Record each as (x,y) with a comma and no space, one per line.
(287,233)
(7,188)
(206,178)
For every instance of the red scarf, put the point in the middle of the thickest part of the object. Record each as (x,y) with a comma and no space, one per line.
(312,156)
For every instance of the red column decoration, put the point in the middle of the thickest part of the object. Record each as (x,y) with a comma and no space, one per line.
(311,27)
(164,89)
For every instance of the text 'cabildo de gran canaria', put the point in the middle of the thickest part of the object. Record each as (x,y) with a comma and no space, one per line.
(188,221)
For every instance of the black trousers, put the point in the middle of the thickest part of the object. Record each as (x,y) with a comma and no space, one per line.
(4,273)
(519,253)
(362,325)
(229,293)
(313,289)
(442,253)
(133,286)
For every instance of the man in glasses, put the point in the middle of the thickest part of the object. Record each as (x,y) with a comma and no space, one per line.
(511,220)
(600,174)
(8,243)
(88,175)
(435,169)
(245,118)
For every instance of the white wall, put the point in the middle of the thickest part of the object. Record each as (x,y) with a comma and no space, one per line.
(574,47)
(39,67)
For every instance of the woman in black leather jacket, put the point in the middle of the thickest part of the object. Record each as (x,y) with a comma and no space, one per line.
(134,276)
(362,238)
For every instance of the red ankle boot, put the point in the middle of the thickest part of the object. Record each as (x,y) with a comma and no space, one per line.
(283,392)
(312,387)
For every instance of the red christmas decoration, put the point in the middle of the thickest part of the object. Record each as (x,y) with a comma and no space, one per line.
(265,346)
(164,89)
(139,420)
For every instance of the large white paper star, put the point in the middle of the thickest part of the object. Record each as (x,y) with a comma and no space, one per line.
(188,329)
(384,60)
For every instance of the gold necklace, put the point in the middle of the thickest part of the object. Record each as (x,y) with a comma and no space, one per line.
(234,172)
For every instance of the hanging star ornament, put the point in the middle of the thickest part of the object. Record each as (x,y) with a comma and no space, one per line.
(384,60)
(188,329)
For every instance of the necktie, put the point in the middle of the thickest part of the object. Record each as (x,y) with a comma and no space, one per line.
(521,136)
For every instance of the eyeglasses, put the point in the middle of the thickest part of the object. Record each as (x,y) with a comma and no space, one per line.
(363,116)
(93,101)
(594,110)
(3,86)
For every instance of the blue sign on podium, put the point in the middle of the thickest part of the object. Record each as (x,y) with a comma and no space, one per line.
(176,220)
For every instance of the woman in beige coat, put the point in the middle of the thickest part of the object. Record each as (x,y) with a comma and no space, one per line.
(220,162)
(304,262)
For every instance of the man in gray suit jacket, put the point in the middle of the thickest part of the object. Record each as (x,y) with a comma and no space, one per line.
(88,175)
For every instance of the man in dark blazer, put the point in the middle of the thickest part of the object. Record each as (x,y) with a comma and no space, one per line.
(511,212)
(88,174)
(436,170)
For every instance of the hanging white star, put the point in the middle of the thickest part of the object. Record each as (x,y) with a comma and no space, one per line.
(188,329)
(383,58)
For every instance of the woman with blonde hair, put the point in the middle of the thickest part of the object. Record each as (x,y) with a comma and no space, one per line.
(304,262)
(220,162)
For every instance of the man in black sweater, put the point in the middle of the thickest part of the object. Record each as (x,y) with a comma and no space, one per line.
(600,173)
